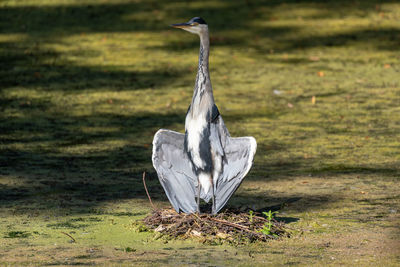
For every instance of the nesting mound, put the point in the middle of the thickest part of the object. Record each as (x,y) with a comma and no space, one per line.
(231,226)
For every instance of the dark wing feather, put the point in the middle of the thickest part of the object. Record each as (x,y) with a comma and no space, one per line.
(239,154)
(174,170)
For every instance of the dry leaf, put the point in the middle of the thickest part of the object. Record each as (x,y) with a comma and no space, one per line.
(159,228)
(195,233)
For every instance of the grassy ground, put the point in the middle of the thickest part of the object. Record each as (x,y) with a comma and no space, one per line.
(86,84)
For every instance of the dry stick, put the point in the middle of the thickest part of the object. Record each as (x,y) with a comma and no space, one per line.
(179,223)
(234,225)
(198,225)
(170,216)
(147,192)
(201,219)
(73,239)
(259,217)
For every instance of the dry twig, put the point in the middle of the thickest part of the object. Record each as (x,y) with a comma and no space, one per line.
(147,192)
(70,236)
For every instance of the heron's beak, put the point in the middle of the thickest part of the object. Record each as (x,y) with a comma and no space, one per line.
(181,25)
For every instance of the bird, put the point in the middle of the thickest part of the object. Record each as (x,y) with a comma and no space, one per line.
(205,162)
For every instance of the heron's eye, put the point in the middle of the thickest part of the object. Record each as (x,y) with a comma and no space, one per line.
(194,24)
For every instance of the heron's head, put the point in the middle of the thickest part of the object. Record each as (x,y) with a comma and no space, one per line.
(196,25)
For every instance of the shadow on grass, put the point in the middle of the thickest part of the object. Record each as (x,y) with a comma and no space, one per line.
(384,39)
(24,66)
(148,15)
(36,160)
(280,42)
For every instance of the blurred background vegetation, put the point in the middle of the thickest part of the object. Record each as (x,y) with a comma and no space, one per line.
(86,84)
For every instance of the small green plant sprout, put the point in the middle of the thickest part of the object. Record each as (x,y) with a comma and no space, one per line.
(269,214)
(251,215)
(266,230)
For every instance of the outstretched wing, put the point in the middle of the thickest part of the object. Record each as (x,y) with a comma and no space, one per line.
(239,154)
(174,170)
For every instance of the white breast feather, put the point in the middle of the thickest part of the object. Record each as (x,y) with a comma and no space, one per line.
(205,181)
(195,128)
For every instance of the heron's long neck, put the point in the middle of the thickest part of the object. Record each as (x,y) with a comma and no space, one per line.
(203,83)
(203,54)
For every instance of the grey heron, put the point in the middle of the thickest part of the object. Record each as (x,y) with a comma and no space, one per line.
(205,162)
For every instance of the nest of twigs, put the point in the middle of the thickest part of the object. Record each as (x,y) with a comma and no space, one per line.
(230,226)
